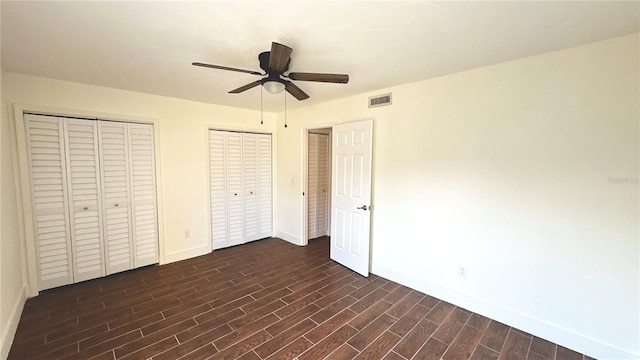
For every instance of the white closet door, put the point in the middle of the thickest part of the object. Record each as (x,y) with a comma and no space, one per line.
(322,198)
(45,153)
(264,186)
(218,176)
(235,189)
(115,174)
(83,174)
(143,195)
(250,164)
(240,178)
(312,186)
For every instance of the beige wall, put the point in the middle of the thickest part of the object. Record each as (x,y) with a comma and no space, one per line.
(524,172)
(12,295)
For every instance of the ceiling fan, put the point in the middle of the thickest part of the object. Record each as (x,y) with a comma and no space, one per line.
(275,63)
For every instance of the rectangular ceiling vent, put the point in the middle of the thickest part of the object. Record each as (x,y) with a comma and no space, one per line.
(380,100)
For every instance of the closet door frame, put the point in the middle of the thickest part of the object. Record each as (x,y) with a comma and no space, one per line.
(23,179)
(304,149)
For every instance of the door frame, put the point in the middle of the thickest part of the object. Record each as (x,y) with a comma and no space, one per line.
(304,149)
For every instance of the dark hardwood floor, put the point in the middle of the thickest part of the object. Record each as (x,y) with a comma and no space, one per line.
(264,300)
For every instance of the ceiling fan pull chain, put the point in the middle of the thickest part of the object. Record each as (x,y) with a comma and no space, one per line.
(261,119)
(285,109)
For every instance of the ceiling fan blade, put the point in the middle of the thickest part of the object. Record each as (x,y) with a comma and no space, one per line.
(330,78)
(226,68)
(246,87)
(279,57)
(295,90)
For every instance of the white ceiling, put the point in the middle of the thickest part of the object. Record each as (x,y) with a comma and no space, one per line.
(149,46)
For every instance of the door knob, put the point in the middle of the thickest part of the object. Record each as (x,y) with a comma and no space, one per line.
(86,208)
(363,207)
(117,205)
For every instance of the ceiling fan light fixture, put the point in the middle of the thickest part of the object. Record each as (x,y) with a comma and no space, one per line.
(274,87)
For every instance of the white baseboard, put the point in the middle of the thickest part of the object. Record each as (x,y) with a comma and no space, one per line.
(288,237)
(539,328)
(9,332)
(186,253)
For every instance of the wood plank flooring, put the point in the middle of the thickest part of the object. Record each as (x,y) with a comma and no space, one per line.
(264,300)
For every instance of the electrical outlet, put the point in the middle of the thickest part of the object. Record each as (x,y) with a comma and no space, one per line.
(462,271)
(187,234)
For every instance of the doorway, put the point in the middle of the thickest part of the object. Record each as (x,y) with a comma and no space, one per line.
(317,180)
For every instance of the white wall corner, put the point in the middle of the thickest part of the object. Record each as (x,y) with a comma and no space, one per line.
(295,240)
(9,332)
(186,253)
(553,333)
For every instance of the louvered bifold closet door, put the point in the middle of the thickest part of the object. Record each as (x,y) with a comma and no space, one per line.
(322,225)
(235,189)
(47,167)
(116,196)
(250,163)
(83,174)
(312,184)
(218,182)
(143,194)
(264,186)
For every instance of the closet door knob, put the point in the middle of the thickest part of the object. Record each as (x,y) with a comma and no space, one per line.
(235,194)
(86,208)
(117,205)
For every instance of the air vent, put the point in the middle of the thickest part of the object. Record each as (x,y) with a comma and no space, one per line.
(380,100)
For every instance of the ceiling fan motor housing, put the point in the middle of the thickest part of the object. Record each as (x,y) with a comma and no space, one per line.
(264,64)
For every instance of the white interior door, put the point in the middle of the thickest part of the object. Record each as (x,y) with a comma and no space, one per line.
(351,195)
(318,185)
(235,189)
(47,168)
(218,175)
(83,173)
(250,171)
(264,186)
(114,161)
(312,181)
(322,206)
(143,195)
